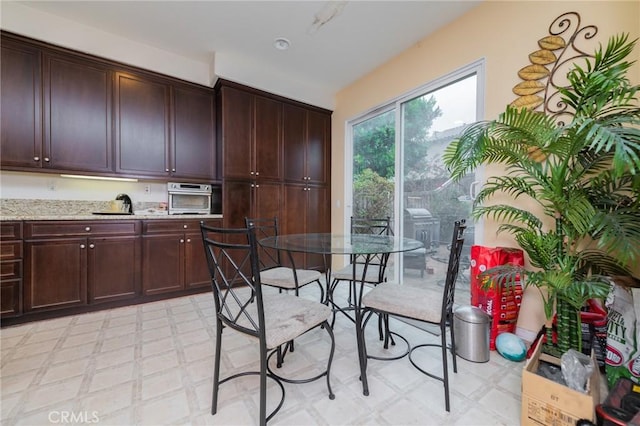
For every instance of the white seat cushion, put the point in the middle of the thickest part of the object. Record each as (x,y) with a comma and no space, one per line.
(287,317)
(283,277)
(346,273)
(411,302)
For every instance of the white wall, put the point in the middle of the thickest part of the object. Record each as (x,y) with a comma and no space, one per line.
(43,26)
(30,186)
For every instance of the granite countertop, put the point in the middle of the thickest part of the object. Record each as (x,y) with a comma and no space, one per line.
(13,209)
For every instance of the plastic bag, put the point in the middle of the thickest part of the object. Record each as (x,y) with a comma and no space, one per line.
(623,358)
(576,369)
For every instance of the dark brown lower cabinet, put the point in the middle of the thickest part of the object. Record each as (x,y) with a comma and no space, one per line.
(113,268)
(10,269)
(306,210)
(79,263)
(75,266)
(56,275)
(173,256)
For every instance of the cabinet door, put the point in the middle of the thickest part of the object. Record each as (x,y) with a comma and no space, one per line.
(77,105)
(196,269)
(236,202)
(142,126)
(318,146)
(293,220)
(21,106)
(113,270)
(237,132)
(267,146)
(267,199)
(317,220)
(294,140)
(55,274)
(194,143)
(10,298)
(306,210)
(162,263)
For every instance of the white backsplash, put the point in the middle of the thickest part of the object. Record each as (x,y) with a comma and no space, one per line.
(44,186)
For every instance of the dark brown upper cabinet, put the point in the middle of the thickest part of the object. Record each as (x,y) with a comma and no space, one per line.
(251,135)
(65,111)
(306,144)
(21,105)
(194,133)
(141,126)
(77,115)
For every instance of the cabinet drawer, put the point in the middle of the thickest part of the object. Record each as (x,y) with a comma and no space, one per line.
(10,269)
(73,228)
(11,250)
(10,300)
(171,225)
(11,230)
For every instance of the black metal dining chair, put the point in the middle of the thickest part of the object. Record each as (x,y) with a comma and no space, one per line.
(273,271)
(376,265)
(374,274)
(423,304)
(241,305)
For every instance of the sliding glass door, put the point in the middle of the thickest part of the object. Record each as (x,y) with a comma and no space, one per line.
(397,170)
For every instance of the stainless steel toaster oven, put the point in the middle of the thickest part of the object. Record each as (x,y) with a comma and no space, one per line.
(193,198)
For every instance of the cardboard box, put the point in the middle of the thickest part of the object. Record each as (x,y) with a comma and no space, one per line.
(545,402)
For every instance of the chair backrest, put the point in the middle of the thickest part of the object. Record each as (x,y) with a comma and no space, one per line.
(373,226)
(363,225)
(264,228)
(457,241)
(235,277)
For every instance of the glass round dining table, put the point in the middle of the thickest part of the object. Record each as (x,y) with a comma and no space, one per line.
(364,245)
(328,243)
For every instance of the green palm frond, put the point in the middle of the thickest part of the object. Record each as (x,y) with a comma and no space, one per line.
(542,248)
(508,214)
(619,232)
(578,292)
(514,186)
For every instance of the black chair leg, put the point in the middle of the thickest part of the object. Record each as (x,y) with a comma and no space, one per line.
(216,369)
(445,370)
(453,349)
(263,387)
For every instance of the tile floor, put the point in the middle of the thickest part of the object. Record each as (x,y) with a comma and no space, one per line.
(152,364)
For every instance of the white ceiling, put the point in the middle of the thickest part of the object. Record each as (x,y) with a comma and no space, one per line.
(360,35)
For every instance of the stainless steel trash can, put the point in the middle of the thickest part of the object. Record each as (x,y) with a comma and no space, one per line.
(471,326)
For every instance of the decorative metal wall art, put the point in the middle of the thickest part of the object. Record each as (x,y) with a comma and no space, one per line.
(550,64)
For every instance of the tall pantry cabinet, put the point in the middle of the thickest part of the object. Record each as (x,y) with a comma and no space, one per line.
(276,161)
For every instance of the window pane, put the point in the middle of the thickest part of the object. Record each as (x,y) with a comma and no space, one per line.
(431,202)
(374,166)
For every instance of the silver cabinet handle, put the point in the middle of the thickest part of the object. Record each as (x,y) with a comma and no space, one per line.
(184,226)
(46,159)
(166,170)
(257,173)
(257,185)
(181,240)
(88,228)
(188,240)
(173,170)
(82,246)
(91,246)
(252,173)
(36,158)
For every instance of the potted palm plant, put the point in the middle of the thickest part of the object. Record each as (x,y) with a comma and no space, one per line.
(584,175)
